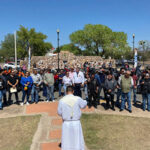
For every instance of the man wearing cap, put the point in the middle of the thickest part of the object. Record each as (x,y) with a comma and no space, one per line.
(126,83)
(69,109)
(78,81)
(37,80)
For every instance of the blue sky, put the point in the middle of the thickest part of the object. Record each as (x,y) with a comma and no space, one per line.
(129,16)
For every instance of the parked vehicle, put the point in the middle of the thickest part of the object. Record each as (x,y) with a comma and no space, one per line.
(11,65)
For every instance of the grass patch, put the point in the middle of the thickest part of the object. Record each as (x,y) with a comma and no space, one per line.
(113,132)
(17,133)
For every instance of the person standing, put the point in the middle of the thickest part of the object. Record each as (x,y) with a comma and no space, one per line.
(135,80)
(126,83)
(60,77)
(69,109)
(49,82)
(26,82)
(2,85)
(4,77)
(145,90)
(78,82)
(119,75)
(97,77)
(37,80)
(93,86)
(13,83)
(66,82)
(110,86)
(71,73)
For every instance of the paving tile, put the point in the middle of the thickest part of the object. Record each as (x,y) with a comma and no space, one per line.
(55,134)
(50,146)
(50,108)
(56,122)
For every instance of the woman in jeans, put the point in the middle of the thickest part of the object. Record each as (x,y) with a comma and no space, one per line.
(26,82)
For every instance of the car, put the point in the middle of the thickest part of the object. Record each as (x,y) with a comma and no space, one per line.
(11,65)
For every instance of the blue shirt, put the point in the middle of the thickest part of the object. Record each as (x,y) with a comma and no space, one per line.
(102,77)
(60,76)
(97,77)
(24,81)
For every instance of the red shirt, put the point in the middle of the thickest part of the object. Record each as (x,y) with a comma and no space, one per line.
(135,78)
(56,77)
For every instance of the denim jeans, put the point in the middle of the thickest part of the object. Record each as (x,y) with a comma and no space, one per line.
(59,86)
(134,95)
(24,93)
(86,91)
(34,94)
(44,90)
(1,96)
(50,92)
(65,87)
(118,96)
(4,96)
(146,97)
(125,96)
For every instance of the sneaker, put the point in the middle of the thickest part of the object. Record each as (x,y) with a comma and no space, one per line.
(27,103)
(21,104)
(47,101)
(53,100)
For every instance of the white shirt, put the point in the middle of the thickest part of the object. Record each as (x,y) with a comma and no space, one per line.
(67,80)
(78,78)
(36,78)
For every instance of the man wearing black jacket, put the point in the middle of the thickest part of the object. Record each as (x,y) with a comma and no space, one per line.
(145,90)
(110,86)
(93,86)
(13,83)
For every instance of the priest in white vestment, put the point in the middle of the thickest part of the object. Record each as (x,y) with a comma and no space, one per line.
(69,109)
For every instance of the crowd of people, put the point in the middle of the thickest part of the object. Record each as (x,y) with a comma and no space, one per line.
(95,84)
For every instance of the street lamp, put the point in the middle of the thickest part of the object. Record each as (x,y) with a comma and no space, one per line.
(133,42)
(58,46)
(142,43)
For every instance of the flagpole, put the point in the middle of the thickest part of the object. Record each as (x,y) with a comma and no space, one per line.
(29,59)
(15,49)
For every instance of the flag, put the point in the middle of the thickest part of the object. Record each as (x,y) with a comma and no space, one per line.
(135,58)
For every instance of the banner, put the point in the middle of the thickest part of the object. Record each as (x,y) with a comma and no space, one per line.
(135,58)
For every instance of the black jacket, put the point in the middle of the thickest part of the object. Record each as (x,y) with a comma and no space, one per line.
(145,88)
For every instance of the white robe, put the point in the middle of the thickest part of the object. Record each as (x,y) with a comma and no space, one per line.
(72,136)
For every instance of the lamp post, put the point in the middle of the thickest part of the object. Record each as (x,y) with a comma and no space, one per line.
(58,46)
(142,43)
(133,43)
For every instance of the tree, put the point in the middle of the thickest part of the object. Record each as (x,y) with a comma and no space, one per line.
(33,39)
(71,48)
(25,38)
(100,40)
(7,49)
